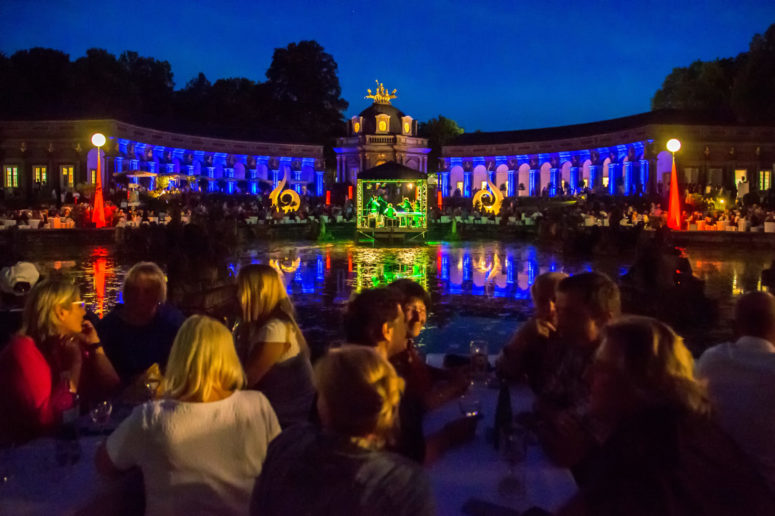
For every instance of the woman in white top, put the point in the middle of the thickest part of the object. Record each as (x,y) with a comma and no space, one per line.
(271,345)
(202,445)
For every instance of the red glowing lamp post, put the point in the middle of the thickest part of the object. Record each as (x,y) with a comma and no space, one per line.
(98,215)
(674,207)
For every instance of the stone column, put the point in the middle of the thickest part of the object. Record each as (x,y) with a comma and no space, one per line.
(628,179)
(444,183)
(613,178)
(319,183)
(554,178)
(468,176)
(534,188)
(574,179)
(510,187)
(645,180)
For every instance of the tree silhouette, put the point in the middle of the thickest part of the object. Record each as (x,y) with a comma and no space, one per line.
(439,131)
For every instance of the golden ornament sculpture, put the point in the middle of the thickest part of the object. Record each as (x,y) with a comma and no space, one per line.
(283,267)
(489,199)
(286,201)
(381,96)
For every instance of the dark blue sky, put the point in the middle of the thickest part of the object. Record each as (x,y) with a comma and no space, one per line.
(489,65)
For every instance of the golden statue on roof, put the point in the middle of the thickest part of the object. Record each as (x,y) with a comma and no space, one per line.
(381,96)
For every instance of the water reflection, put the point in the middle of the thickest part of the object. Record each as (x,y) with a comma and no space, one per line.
(473,285)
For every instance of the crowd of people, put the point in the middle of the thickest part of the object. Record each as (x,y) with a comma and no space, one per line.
(243,422)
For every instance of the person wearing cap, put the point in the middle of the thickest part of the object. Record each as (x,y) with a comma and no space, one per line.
(15,283)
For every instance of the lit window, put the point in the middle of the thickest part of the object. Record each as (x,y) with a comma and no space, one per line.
(765,179)
(484,185)
(382,125)
(66,172)
(605,182)
(459,185)
(407,127)
(356,127)
(40,174)
(12,177)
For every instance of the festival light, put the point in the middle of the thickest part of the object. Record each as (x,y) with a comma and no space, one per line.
(98,215)
(674,207)
(673,145)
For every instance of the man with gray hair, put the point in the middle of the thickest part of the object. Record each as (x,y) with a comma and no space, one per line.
(140,332)
(741,381)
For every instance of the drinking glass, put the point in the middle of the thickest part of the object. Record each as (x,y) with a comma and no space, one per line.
(470,405)
(100,414)
(151,389)
(479,360)
(513,448)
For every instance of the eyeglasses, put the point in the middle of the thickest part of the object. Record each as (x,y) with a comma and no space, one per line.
(79,304)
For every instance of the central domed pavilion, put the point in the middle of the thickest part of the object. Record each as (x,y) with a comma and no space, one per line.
(379,134)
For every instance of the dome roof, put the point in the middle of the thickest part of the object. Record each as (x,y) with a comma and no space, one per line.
(370,118)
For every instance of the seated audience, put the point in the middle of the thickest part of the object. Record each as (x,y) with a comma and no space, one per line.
(374,318)
(140,332)
(16,282)
(664,455)
(56,356)
(202,444)
(342,468)
(531,353)
(435,386)
(586,302)
(271,346)
(740,377)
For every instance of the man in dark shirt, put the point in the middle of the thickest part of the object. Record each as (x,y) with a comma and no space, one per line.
(375,318)
(140,332)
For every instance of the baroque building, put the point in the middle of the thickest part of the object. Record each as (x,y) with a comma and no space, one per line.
(58,155)
(380,133)
(620,156)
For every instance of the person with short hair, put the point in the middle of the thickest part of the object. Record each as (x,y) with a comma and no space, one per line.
(435,386)
(740,376)
(342,467)
(531,353)
(201,445)
(586,302)
(271,346)
(140,332)
(56,356)
(374,318)
(663,454)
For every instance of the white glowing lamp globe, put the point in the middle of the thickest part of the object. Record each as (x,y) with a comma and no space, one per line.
(673,145)
(98,139)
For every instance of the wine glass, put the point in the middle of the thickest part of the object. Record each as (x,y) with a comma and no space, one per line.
(513,449)
(100,414)
(151,389)
(479,360)
(470,405)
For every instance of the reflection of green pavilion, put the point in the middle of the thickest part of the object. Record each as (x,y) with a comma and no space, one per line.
(392,202)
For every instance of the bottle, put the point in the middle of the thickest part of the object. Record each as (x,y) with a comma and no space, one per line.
(503,414)
(68,448)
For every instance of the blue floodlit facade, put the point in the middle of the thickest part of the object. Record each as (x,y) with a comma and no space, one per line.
(59,155)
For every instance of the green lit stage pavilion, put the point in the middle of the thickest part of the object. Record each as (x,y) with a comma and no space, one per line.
(392,202)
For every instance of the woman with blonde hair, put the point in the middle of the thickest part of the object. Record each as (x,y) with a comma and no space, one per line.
(271,345)
(343,468)
(202,444)
(56,356)
(663,454)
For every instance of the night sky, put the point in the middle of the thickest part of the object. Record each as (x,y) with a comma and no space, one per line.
(489,65)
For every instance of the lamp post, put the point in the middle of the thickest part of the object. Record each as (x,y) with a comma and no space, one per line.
(674,207)
(98,215)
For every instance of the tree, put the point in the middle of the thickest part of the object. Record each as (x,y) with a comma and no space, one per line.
(150,84)
(101,85)
(753,93)
(439,132)
(702,86)
(39,83)
(304,85)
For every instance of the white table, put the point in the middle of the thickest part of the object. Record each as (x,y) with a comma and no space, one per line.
(474,469)
(38,486)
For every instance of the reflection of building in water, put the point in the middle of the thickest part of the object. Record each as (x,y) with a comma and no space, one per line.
(380,267)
